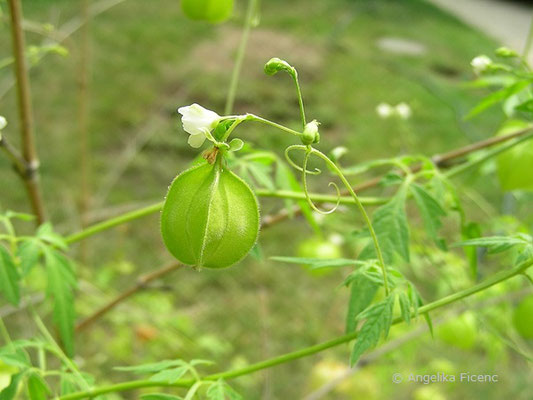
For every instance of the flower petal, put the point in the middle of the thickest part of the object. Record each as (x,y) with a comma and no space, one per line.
(196,141)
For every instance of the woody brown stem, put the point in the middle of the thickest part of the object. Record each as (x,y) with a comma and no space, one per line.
(29,153)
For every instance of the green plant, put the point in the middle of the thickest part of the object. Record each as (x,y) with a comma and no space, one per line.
(208,10)
(210,219)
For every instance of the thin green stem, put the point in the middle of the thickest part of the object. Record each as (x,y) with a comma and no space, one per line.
(58,351)
(362,210)
(488,155)
(110,223)
(256,118)
(132,215)
(319,198)
(230,100)
(300,97)
(495,279)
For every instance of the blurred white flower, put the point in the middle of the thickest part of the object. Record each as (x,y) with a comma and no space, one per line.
(3,122)
(336,239)
(384,110)
(480,63)
(197,121)
(403,110)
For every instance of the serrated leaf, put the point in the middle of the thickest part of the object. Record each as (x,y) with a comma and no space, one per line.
(362,292)
(37,388)
(68,384)
(378,321)
(9,277)
(28,253)
(317,263)
(152,367)
(61,283)
(430,210)
(405,307)
(220,390)
(46,233)
(390,224)
(497,244)
(15,357)
(261,174)
(170,375)
(160,396)
(9,392)
(498,96)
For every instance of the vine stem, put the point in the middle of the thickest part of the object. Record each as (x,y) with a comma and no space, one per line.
(440,160)
(151,209)
(493,280)
(300,97)
(363,212)
(230,99)
(31,172)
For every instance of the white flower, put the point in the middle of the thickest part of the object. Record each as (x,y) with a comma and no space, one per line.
(403,110)
(3,122)
(384,110)
(336,239)
(480,63)
(197,121)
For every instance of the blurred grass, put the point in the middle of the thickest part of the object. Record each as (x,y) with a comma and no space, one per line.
(147,59)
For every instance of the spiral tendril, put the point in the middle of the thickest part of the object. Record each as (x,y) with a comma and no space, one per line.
(308,152)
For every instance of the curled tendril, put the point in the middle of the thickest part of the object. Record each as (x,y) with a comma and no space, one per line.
(296,166)
(308,152)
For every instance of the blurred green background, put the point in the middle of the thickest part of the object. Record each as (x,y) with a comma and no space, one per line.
(146,59)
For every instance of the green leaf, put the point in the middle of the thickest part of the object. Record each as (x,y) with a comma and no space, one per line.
(261,173)
(29,252)
(390,224)
(9,392)
(37,387)
(61,283)
(497,244)
(430,210)
(498,96)
(405,307)
(46,233)
(160,396)
(236,145)
(526,106)
(362,292)
(9,277)
(220,390)
(15,357)
(152,367)
(317,263)
(170,375)
(378,321)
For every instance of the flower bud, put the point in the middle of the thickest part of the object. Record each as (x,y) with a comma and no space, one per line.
(274,65)
(3,122)
(506,52)
(310,134)
(480,64)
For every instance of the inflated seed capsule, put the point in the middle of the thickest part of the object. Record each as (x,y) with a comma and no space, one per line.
(210,217)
